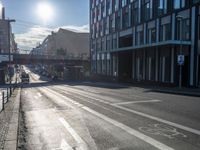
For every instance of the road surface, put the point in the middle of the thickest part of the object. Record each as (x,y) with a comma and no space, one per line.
(99,116)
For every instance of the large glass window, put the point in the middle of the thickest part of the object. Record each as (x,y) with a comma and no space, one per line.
(135,12)
(116,5)
(179,4)
(118,21)
(104,26)
(124,3)
(195,1)
(151,35)
(146,9)
(125,17)
(102,8)
(139,37)
(185,23)
(112,23)
(165,32)
(162,7)
(114,43)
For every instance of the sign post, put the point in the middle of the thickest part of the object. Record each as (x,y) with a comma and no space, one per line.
(180,61)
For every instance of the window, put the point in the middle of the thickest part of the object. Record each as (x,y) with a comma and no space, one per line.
(103,9)
(116,5)
(98,45)
(114,43)
(112,23)
(151,35)
(139,37)
(118,20)
(99,12)
(162,7)
(165,32)
(196,1)
(108,44)
(179,4)
(146,9)
(124,3)
(108,8)
(135,12)
(126,41)
(185,29)
(125,17)
(103,44)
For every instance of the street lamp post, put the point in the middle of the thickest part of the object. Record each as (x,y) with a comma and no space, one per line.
(180,18)
(9,32)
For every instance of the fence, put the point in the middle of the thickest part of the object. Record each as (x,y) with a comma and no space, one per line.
(5,96)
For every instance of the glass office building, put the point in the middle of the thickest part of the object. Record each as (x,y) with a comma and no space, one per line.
(140,40)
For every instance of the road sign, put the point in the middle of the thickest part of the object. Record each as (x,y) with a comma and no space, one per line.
(181,59)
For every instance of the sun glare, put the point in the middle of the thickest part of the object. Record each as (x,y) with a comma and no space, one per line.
(45,11)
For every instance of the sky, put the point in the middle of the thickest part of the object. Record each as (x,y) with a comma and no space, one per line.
(35,19)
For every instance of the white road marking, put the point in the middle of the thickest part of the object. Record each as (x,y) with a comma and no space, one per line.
(64,146)
(82,145)
(191,130)
(163,130)
(135,102)
(131,131)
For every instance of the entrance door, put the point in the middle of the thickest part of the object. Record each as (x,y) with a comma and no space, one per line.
(125,66)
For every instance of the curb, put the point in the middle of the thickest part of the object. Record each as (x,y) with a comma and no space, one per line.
(178,92)
(12,134)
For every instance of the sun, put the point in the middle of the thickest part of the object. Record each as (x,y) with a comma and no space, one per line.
(45,11)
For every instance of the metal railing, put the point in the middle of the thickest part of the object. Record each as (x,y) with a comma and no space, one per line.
(5,97)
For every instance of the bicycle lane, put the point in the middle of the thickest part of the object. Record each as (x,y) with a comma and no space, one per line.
(167,134)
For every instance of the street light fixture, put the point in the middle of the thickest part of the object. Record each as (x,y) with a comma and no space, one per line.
(180,18)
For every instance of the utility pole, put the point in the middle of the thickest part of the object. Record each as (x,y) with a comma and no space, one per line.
(9,32)
(180,18)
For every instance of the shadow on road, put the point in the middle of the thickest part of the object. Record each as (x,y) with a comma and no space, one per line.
(74,83)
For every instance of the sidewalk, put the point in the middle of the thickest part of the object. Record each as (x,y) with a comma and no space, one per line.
(9,122)
(149,88)
(180,91)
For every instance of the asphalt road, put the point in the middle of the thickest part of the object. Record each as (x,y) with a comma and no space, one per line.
(85,115)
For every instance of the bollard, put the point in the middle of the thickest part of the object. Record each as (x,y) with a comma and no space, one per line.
(7,95)
(3,100)
(10,91)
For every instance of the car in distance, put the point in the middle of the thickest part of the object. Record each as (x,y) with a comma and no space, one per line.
(25,77)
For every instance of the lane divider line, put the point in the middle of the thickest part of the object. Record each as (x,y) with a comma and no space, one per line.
(131,131)
(81,144)
(136,102)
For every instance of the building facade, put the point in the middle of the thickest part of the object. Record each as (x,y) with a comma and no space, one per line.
(140,40)
(64,43)
(6,35)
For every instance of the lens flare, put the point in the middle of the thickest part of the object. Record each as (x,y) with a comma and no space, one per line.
(45,11)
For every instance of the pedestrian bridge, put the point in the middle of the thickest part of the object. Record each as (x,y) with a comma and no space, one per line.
(44,59)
